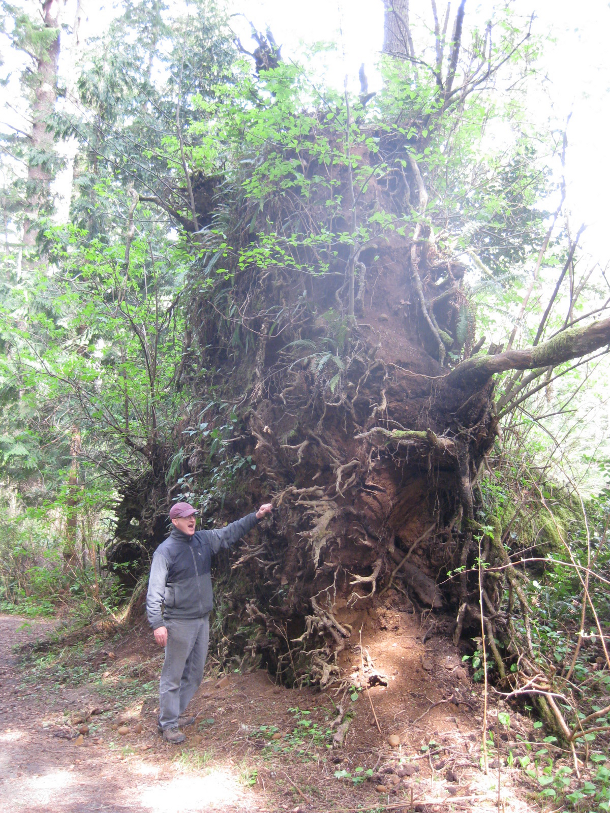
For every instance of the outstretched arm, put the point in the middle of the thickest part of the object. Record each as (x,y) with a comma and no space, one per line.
(228,536)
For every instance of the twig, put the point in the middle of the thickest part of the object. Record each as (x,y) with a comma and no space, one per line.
(448,800)
(298,790)
(433,706)
(425,756)
(368,694)
(484,650)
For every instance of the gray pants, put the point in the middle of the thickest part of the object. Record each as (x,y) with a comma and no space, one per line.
(185,654)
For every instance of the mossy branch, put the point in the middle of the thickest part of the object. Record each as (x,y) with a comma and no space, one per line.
(411,435)
(570,344)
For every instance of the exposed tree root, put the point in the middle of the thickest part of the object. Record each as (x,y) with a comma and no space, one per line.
(341,725)
(419,539)
(372,579)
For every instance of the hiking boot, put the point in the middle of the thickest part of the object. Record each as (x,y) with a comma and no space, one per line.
(183,720)
(173,735)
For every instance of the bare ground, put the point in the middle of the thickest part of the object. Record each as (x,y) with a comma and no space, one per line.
(255,746)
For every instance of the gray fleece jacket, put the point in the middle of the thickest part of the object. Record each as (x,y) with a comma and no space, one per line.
(180,585)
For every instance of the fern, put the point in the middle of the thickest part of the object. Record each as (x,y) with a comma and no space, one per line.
(174,466)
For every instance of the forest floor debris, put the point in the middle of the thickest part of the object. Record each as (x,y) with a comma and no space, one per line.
(78,732)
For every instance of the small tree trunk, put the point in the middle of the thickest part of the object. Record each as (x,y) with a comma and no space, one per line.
(72,93)
(72,503)
(40,172)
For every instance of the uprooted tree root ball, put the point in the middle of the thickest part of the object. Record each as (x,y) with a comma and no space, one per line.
(329,362)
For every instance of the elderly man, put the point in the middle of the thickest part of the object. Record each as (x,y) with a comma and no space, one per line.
(178,606)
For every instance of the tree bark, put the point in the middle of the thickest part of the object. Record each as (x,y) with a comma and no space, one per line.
(396,33)
(69,552)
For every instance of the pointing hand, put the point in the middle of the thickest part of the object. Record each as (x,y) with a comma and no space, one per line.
(265,509)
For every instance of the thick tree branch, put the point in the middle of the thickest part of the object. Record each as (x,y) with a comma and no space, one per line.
(570,344)
(184,221)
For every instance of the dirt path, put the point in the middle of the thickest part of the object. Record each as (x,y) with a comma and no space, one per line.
(41,770)
(256,747)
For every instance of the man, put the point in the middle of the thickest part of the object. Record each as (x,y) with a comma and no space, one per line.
(178,606)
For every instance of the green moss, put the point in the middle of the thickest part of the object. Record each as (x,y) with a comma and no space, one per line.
(539,524)
(560,346)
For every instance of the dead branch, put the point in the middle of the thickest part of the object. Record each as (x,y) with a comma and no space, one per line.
(455,49)
(298,790)
(551,301)
(451,699)
(541,254)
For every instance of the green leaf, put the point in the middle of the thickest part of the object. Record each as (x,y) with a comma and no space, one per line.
(545,780)
(333,382)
